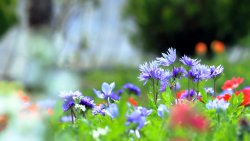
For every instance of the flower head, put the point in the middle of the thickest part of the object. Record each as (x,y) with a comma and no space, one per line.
(189,62)
(201,48)
(132,101)
(107,91)
(198,73)
(112,111)
(132,88)
(68,98)
(178,72)
(232,84)
(162,110)
(139,117)
(168,58)
(186,95)
(184,115)
(99,109)
(215,72)
(151,71)
(217,104)
(87,101)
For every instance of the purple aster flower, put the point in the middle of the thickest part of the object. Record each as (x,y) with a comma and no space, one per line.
(99,109)
(198,73)
(112,111)
(217,104)
(187,95)
(209,91)
(168,58)
(132,88)
(214,72)
(139,117)
(162,110)
(107,91)
(68,99)
(178,72)
(87,101)
(189,62)
(151,70)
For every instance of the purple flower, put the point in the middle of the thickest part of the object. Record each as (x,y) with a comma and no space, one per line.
(119,92)
(164,85)
(68,99)
(217,104)
(198,73)
(87,101)
(99,109)
(66,119)
(162,110)
(168,58)
(132,88)
(189,62)
(112,111)
(139,117)
(107,91)
(149,71)
(214,72)
(189,94)
(209,91)
(178,72)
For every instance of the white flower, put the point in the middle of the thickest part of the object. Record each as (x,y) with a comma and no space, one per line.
(81,107)
(217,104)
(100,131)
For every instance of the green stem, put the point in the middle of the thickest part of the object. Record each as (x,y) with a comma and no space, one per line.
(214,88)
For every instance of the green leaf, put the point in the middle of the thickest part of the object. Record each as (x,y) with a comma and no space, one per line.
(167,97)
(203,94)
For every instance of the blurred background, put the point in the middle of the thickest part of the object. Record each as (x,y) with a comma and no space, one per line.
(48,46)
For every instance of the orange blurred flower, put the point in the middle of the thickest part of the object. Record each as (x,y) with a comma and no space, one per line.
(132,101)
(22,96)
(218,46)
(183,115)
(201,48)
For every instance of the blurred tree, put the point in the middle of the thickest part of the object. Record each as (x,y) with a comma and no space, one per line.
(183,23)
(7,14)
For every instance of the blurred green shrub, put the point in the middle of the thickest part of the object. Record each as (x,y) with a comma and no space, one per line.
(7,14)
(183,23)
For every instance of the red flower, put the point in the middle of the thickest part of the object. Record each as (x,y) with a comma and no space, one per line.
(132,101)
(226,97)
(184,115)
(232,84)
(180,93)
(246,94)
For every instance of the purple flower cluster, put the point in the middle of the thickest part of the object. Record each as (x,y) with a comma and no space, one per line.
(151,71)
(68,99)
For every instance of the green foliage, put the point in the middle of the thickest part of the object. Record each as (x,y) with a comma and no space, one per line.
(183,23)
(7,14)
